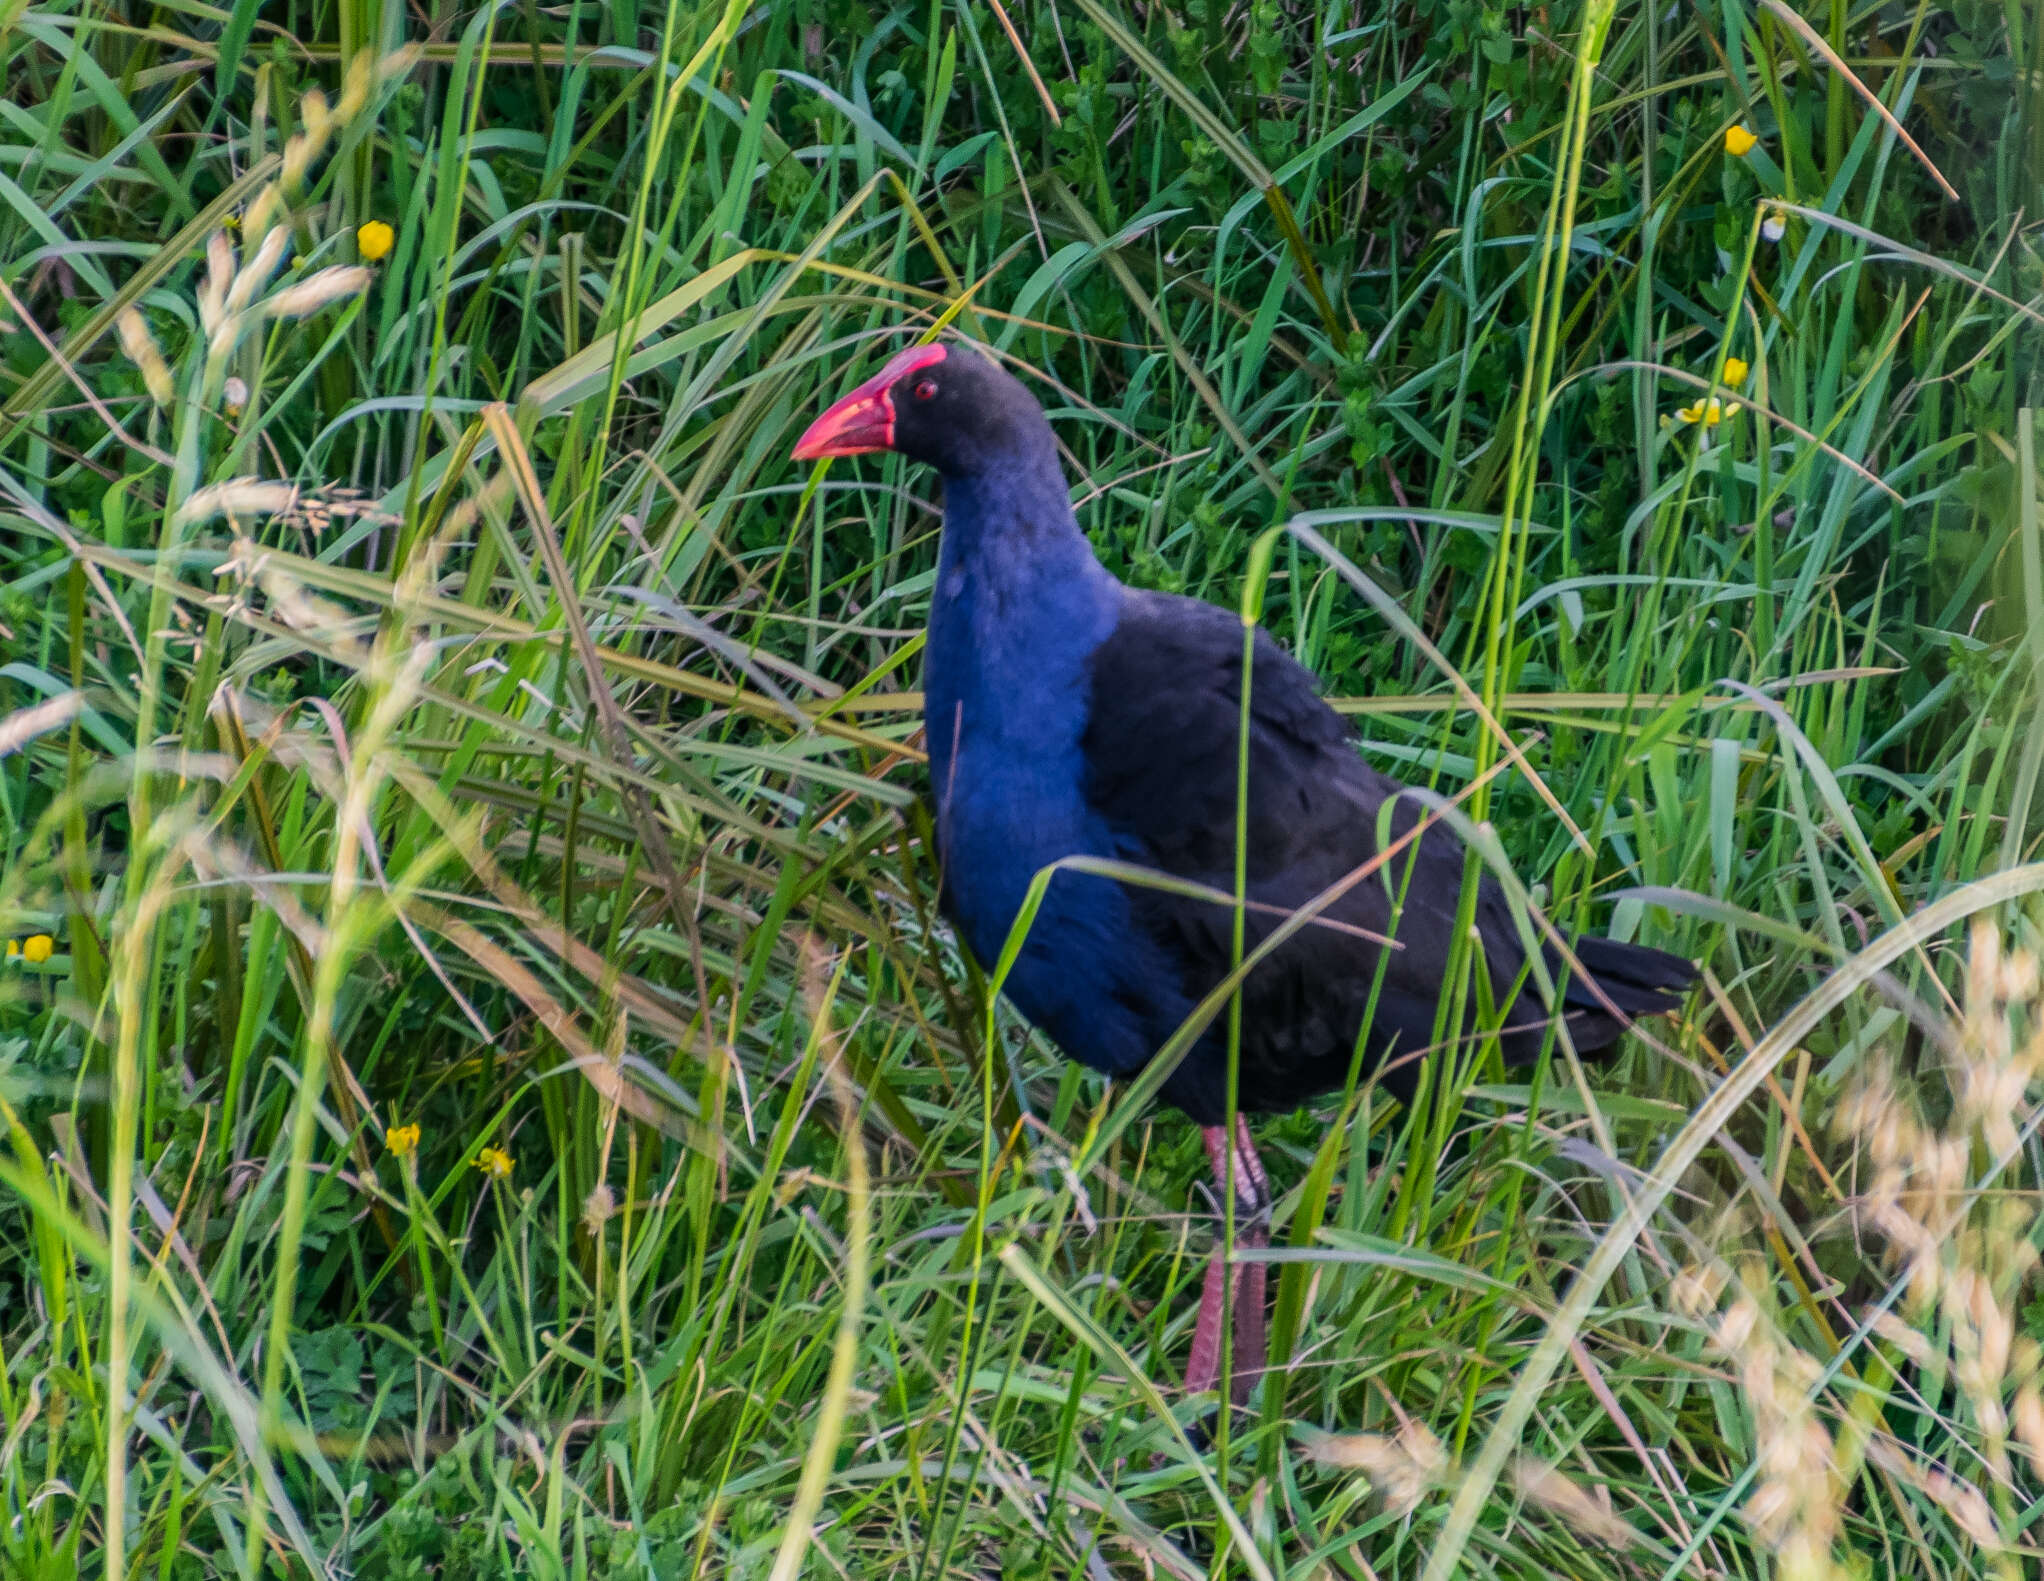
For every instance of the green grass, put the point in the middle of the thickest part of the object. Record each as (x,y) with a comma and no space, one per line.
(543,773)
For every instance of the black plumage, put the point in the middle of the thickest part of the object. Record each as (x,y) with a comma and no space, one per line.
(1161,755)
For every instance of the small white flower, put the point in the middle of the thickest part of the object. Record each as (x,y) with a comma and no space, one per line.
(1772,227)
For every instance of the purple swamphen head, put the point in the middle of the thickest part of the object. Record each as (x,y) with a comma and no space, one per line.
(940,404)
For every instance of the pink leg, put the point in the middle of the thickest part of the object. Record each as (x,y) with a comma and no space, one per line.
(1245,1285)
(1203,1367)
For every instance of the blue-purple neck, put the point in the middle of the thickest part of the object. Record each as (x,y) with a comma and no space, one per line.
(1019,606)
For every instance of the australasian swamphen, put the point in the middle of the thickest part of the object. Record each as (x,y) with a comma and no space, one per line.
(1068,715)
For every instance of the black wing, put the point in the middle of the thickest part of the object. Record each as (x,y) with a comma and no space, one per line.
(1161,750)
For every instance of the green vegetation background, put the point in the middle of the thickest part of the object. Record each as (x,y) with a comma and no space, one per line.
(487,1094)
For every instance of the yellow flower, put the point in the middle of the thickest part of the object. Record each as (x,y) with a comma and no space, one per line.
(402,1140)
(13,948)
(37,948)
(1709,413)
(494,1162)
(1739,141)
(373,240)
(1736,371)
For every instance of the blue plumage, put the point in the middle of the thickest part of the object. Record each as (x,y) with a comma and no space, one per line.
(1067,715)
(1019,611)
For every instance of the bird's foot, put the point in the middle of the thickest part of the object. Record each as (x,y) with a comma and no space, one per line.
(1251,1184)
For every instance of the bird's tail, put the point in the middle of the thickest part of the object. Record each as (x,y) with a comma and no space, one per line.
(1632,979)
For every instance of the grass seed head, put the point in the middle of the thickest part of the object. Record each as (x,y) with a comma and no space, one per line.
(1964,1257)
(1967,1506)
(364,75)
(255,274)
(1795,1503)
(1401,1468)
(238,497)
(1589,1514)
(141,348)
(315,291)
(317,118)
(2029,1423)
(263,210)
(219,277)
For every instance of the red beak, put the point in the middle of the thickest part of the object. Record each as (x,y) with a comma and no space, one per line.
(864,420)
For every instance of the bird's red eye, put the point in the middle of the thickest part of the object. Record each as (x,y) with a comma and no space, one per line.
(926,389)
